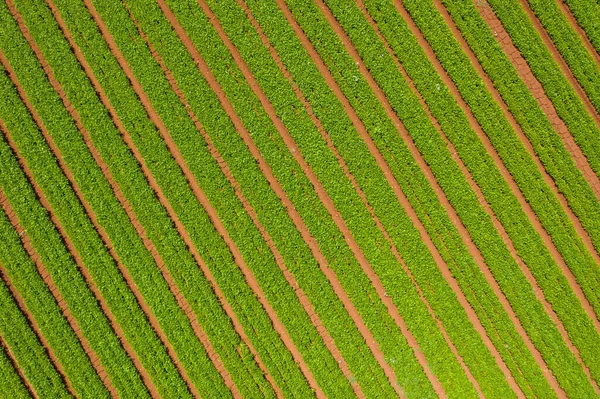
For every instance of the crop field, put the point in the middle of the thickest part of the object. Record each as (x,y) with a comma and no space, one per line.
(299,199)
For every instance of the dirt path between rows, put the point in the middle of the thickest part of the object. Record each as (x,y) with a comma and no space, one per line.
(47,278)
(580,32)
(182,302)
(514,188)
(547,107)
(106,172)
(67,241)
(14,221)
(508,178)
(564,67)
(549,181)
(328,203)
(18,371)
(193,184)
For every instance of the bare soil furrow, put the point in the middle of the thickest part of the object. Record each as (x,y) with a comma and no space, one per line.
(547,107)
(18,370)
(125,203)
(21,303)
(145,377)
(515,191)
(57,295)
(564,67)
(475,126)
(457,222)
(580,32)
(325,199)
(74,253)
(154,117)
(549,181)
(334,214)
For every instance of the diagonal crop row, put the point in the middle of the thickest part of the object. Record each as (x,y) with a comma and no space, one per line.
(24,276)
(61,266)
(65,204)
(571,48)
(146,206)
(171,120)
(20,339)
(587,14)
(11,382)
(304,200)
(568,105)
(311,145)
(527,242)
(538,129)
(37,153)
(126,243)
(306,135)
(187,146)
(348,149)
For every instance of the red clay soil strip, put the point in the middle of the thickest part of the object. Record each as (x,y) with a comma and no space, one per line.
(515,190)
(489,277)
(549,181)
(560,61)
(393,183)
(66,239)
(21,303)
(126,206)
(74,114)
(580,32)
(249,209)
(331,208)
(297,218)
(57,295)
(177,156)
(537,91)
(17,369)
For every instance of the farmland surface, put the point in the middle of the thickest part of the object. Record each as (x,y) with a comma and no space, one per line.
(299,199)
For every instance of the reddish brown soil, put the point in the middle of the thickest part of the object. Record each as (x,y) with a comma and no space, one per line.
(526,207)
(489,85)
(177,156)
(429,52)
(580,32)
(546,105)
(514,188)
(567,73)
(322,195)
(57,295)
(21,303)
(67,241)
(17,369)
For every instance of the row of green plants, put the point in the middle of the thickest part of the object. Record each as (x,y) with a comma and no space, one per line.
(298,188)
(66,206)
(379,195)
(48,244)
(498,194)
(10,382)
(568,105)
(231,211)
(571,48)
(287,171)
(42,306)
(514,155)
(127,174)
(30,355)
(324,163)
(587,14)
(183,131)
